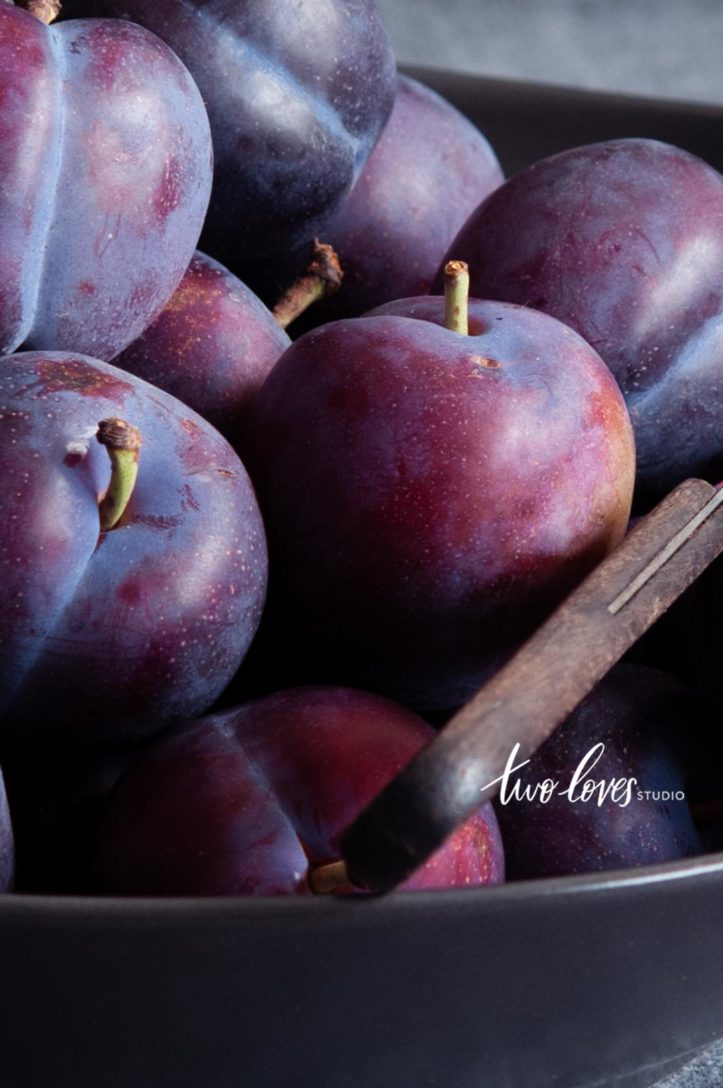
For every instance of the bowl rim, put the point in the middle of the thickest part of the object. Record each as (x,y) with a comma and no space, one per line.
(530,892)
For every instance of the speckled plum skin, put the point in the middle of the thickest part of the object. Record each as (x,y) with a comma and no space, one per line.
(212,345)
(246,802)
(430,169)
(105,637)
(297,94)
(105,157)
(637,713)
(623,240)
(429,497)
(7,852)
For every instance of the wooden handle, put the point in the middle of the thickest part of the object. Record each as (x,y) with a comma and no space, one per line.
(537,689)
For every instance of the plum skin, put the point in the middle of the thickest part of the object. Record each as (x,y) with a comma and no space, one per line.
(296,94)
(106,161)
(623,241)
(107,637)
(429,170)
(247,801)
(7,849)
(429,497)
(212,345)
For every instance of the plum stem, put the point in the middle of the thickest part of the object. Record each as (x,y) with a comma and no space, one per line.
(45,10)
(456,297)
(322,278)
(123,443)
(328,878)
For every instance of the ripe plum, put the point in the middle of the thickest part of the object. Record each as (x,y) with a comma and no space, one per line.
(107,633)
(297,94)
(623,241)
(247,802)
(430,496)
(105,158)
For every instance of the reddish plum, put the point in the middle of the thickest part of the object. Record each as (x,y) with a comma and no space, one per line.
(211,346)
(106,634)
(623,241)
(105,156)
(297,94)
(247,802)
(430,496)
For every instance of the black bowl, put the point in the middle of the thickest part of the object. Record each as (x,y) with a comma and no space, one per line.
(571,982)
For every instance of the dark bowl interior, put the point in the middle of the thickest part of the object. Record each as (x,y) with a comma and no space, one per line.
(568,982)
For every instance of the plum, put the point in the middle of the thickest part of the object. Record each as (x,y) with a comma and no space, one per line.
(623,241)
(430,496)
(212,345)
(7,851)
(252,800)
(108,633)
(637,812)
(430,169)
(297,94)
(105,156)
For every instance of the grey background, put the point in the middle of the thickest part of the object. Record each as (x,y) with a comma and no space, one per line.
(660,48)
(663,48)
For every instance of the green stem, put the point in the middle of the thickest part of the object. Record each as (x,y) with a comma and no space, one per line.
(123,442)
(322,278)
(456,297)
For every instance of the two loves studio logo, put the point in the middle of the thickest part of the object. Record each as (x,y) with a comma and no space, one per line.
(586,782)
(577,806)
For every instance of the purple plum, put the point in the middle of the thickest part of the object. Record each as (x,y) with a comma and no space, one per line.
(120,609)
(623,241)
(105,156)
(297,94)
(430,169)
(212,345)
(250,801)
(430,496)
(7,850)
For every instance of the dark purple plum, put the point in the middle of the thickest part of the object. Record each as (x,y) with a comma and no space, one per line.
(297,94)
(7,850)
(105,156)
(623,241)
(430,496)
(430,169)
(620,798)
(212,345)
(107,634)
(247,802)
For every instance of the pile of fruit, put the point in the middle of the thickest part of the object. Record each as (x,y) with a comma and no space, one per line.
(274,508)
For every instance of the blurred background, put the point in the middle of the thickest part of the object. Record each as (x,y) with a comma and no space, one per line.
(659,48)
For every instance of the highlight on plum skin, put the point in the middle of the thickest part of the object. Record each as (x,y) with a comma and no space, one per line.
(7,848)
(297,95)
(105,188)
